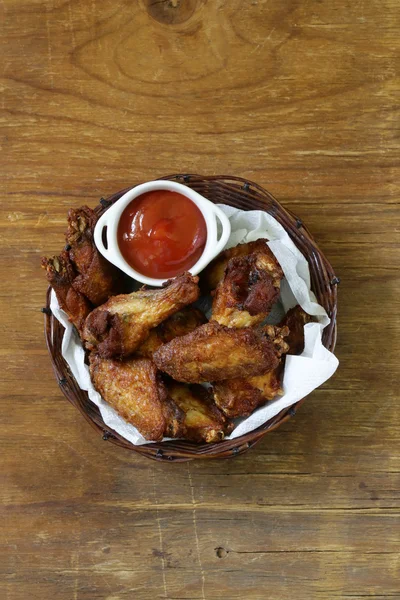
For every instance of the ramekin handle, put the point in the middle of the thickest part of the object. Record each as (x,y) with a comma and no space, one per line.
(226,229)
(98,235)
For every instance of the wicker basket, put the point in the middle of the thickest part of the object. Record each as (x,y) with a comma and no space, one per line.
(247,196)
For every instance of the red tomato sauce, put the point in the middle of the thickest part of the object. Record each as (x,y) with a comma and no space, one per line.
(161,234)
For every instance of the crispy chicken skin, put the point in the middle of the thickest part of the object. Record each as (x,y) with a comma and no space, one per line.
(202,421)
(240,396)
(61,274)
(212,275)
(97,279)
(213,352)
(134,389)
(248,289)
(119,326)
(182,322)
(295,319)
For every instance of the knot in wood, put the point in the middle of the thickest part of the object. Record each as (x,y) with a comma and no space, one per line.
(221,552)
(171,12)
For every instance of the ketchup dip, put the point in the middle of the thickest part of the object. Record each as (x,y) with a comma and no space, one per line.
(161,234)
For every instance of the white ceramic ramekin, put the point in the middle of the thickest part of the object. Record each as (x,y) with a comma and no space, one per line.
(111,217)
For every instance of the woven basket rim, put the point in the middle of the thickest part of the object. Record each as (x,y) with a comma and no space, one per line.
(246,195)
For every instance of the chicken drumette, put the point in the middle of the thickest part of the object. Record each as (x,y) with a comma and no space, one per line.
(80,276)
(61,275)
(97,279)
(213,274)
(246,280)
(248,289)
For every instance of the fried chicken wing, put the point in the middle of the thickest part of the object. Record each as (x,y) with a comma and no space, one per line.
(134,389)
(212,275)
(295,319)
(213,352)
(202,421)
(61,275)
(180,323)
(240,396)
(119,326)
(80,276)
(97,279)
(248,289)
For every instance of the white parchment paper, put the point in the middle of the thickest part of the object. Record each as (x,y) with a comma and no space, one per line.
(302,373)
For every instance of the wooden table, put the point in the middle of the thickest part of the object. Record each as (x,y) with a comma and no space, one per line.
(300,97)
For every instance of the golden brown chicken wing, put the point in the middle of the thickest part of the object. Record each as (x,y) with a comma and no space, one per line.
(240,396)
(180,323)
(61,275)
(134,389)
(212,275)
(80,276)
(248,289)
(202,421)
(119,326)
(213,352)
(97,279)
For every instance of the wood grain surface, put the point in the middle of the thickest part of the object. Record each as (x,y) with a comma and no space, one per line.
(300,96)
